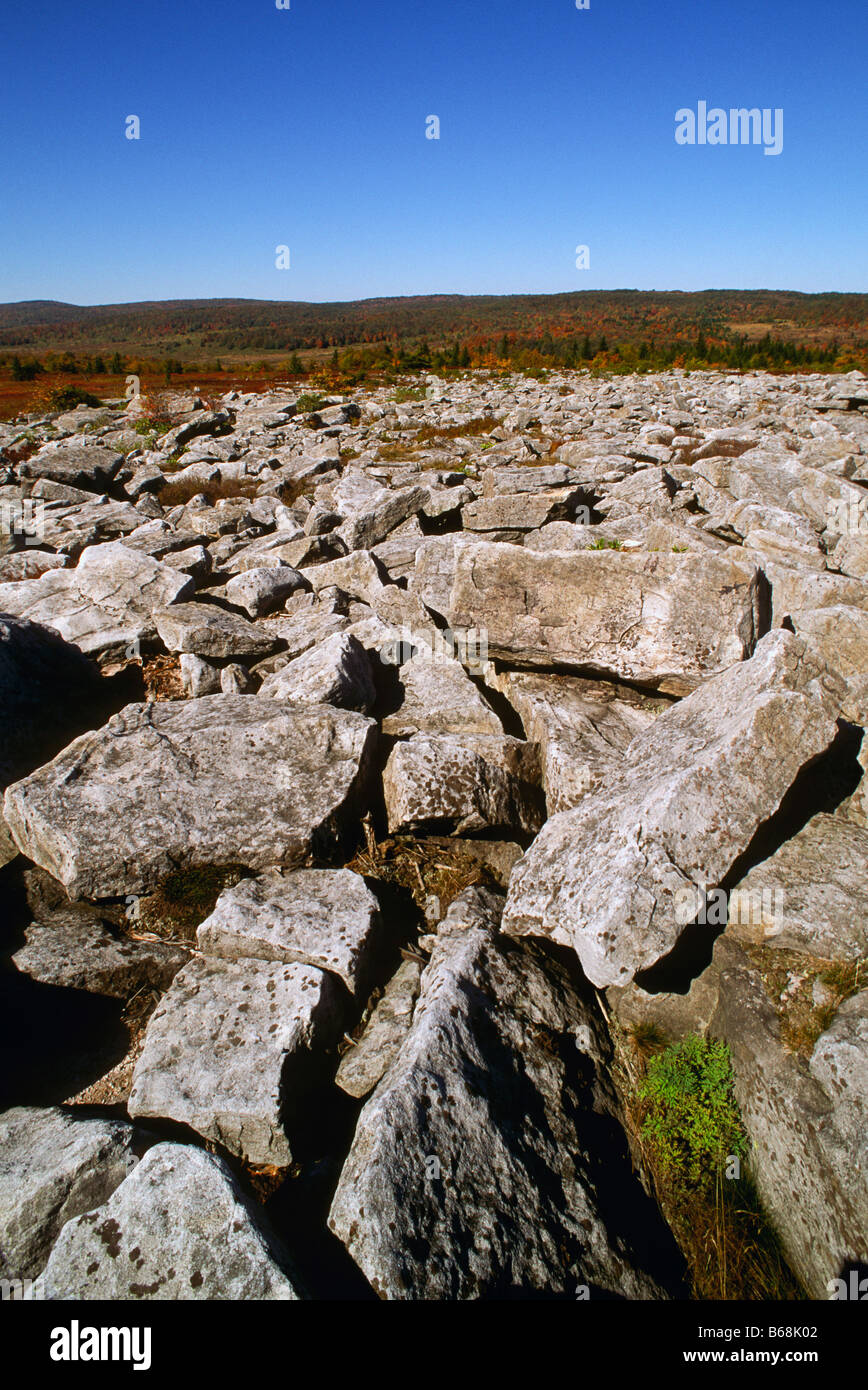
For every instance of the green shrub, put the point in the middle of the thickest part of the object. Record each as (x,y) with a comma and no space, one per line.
(68,397)
(310,401)
(692,1121)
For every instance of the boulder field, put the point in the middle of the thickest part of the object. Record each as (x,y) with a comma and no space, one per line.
(372,780)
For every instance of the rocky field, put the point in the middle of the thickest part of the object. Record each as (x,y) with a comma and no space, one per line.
(393,785)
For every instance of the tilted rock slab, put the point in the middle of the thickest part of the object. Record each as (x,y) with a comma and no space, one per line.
(608,877)
(103,606)
(233,1048)
(667,621)
(54,1164)
(582,730)
(485,1162)
(179,1228)
(362,1067)
(335,672)
(323,917)
(209,631)
(224,779)
(72,948)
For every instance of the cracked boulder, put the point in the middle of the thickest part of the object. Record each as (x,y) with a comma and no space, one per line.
(686,803)
(489,1161)
(223,779)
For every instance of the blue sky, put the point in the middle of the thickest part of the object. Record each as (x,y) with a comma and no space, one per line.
(306,128)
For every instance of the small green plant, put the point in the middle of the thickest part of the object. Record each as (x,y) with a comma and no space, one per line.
(404,394)
(602,543)
(310,401)
(692,1122)
(679,549)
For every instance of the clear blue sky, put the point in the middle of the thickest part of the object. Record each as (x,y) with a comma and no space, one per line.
(306,127)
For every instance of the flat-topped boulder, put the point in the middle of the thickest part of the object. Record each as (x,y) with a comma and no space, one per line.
(233,1050)
(183,783)
(665,621)
(328,918)
(90,466)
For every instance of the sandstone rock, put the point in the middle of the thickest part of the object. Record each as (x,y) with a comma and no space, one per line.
(73,949)
(820,878)
(221,779)
(179,1228)
(336,672)
(581,728)
(106,604)
(322,917)
(233,1049)
(263,590)
(438,697)
(667,621)
(807,1127)
(839,636)
(469,782)
(692,792)
(479,1167)
(198,677)
(363,1066)
(209,631)
(87,466)
(29,564)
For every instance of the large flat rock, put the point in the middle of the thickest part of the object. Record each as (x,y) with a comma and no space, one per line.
(666,621)
(609,876)
(70,947)
(183,783)
(232,1051)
